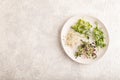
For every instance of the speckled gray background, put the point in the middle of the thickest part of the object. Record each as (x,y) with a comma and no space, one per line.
(30,46)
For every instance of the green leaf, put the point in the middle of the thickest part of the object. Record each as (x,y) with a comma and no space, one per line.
(83,27)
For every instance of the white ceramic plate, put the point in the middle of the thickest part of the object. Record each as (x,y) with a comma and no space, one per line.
(69,51)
